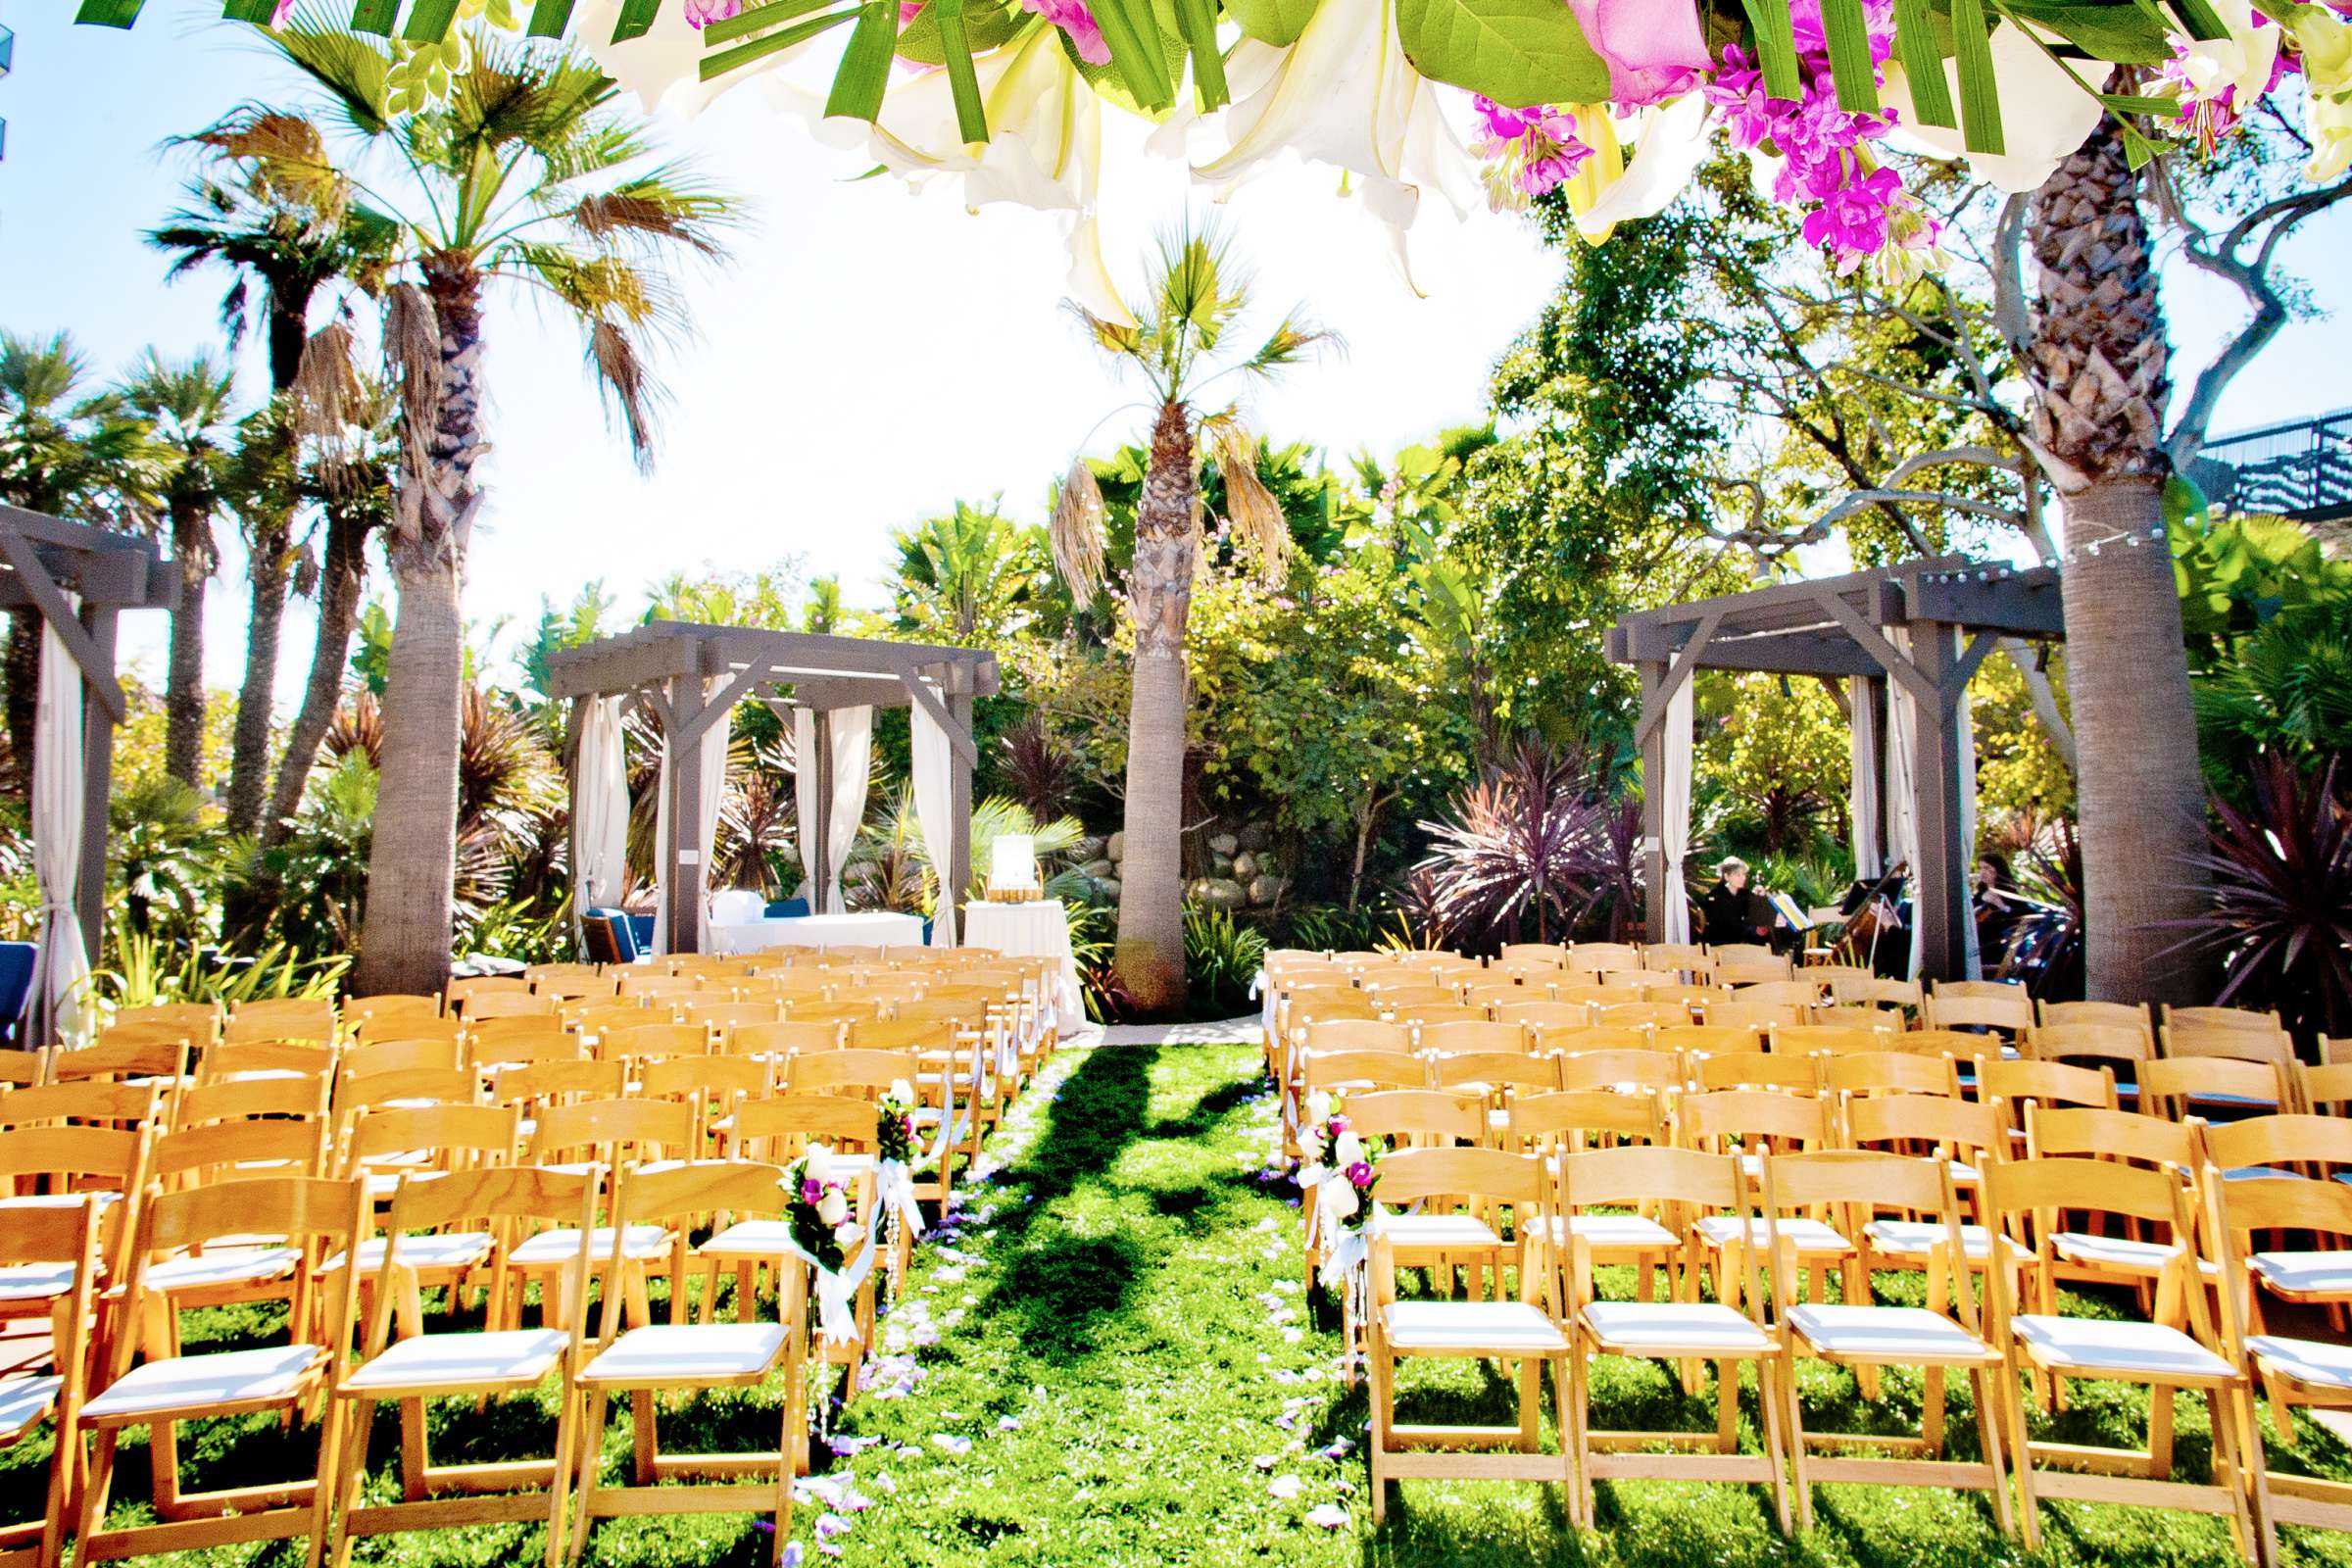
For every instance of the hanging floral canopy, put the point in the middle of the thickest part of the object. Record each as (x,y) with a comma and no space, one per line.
(1611,100)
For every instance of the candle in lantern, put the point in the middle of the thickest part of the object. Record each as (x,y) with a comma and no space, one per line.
(1012,863)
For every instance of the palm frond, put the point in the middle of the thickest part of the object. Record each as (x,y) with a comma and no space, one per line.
(660,206)
(352,69)
(622,374)
(412,343)
(1292,342)
(1263,533)
(1075,532)
(327,392)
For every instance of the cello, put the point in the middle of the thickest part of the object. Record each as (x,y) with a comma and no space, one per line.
(1874,918)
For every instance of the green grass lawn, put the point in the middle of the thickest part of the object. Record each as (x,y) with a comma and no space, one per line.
(1111,1361)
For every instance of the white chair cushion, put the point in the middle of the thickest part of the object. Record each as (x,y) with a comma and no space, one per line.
(454,1250)
(642,1243)
(2117,1252)
(2307,1361)
(1513,1327)
(24,1403)
(445,1360)
(1672,1328)
(36,1282)
(222,1265)
(2305,1273)
(749,1238)
(1615,1231)
(1907,1333)
(1916,1237)
(195,1382)
(2088,1344)
(1465,1231)
(1807,1235)
(670,1353)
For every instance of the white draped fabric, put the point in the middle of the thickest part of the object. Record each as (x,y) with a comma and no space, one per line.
(1903,751)
(852,757)
(61,968)
(1675,813)
(935,814)
(1862,795)
(1964,746)
(712,792)
(599,825)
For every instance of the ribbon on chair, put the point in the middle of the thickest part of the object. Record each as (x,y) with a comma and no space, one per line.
(836,1315)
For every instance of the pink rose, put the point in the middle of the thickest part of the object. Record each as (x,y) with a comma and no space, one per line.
(1653,47)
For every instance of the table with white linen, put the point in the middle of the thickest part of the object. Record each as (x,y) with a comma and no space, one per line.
(1036,930)
(871,928)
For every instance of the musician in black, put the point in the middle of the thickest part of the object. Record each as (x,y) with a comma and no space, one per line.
(1997,907)
(1733,911)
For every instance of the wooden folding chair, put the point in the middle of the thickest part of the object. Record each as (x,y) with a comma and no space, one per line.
(459,995)
(395,1146)
(867,1074)
(676,1358)
(1980,1004)
(1821,1038)
(1348,1071)
(1472,1038)
(1754,1069)
(200,1020)
(1572,1121)
(1890,1072)
(1686,1184)
(49,1267)
(1637,1073)
(250,1098)
(607,1135)
(125,1057)
(2135,1262)
(1860,1015)
(780,1041)
(1744,1123)
(494,1059)
(1738,1012)
(387,1015)
(166,1392)
(1652,1015)
(1677,957)
(1708,1038)
(1518,1329)
(2174,1086)
(444,1054)
(1964,1135)
(2326,1089)
(2163,1359)
(655,1041)
(1941,1338)
(306,1018)
(494,1363)
(2133,1015)
(2289,1145)
(1547,953)
(267,1060)
(2190,1020)
(716,1087)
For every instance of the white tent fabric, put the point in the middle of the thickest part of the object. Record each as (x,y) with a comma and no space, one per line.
(600,827)
(1675,818)
(713,791)
(853,757)
(61,968)
(1902,748)
(1964,744)
(935,814)
(1862,795)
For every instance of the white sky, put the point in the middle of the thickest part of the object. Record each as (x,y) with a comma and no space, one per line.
(870,357)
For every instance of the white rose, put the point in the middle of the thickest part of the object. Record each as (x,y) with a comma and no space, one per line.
(817,1163)
(833,1207)
(845,1233)
(1318,1105)
(1338,1199)
(1346,1148)
(901,1090)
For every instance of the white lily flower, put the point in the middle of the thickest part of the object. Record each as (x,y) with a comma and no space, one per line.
(2238,66)
(2045,114)
(2324,41)
(1346,1148)
(817,1164)
(1669,142)
(1344,95)
(834,1207)
(901,1090)
(662,66)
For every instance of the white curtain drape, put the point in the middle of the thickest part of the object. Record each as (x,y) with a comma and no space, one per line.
(852,757)
(61,968)
(1674,820)
(1862,795)
(600,824)
(935,814)
(1902,748)
(1964,743)
(713,791)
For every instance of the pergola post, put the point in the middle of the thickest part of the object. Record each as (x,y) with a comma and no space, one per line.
(1870,708)
(818,856)
(958,879)
(1940,908)
(1655,874)
(97,782)
(682,878)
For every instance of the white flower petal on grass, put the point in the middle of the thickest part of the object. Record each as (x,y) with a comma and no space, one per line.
(1283,1487)
(950,1442)
(1330,1515)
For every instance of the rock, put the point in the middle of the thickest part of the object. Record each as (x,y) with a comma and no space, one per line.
(1219,893)
(1224,844)
(1255,837)
(1266,890)
(1222,866)
(1087,849)
(1110,889)
(1099,868)
(1115,846)
(1244,866)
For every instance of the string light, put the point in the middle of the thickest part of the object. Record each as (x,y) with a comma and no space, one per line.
(2130,538)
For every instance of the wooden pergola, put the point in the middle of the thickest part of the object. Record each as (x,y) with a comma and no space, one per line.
(1954,610)
(43,560)
(664,667)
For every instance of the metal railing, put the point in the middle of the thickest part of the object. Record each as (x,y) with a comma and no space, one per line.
(2301,470)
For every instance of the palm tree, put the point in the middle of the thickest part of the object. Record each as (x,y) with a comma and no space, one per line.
(70,450)
(187,404)
(293,235)
(964,573)
(525,175)
(1195,295)
(2098,365)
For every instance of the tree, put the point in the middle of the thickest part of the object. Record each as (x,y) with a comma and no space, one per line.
(1195,295)
(260,209)
(187,404)
(525,175)
(968,576)
(68,449)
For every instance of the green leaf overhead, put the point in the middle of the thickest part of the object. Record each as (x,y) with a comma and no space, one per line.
(987,24)
(1275,22)
(2126,34)
(1516,52)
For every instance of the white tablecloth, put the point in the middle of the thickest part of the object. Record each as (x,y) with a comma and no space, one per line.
(1039,930)
(872,928)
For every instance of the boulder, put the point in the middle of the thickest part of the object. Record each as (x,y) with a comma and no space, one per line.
(1255,837)
(1099,868)
(1264,890)
(1115,847)
(1110,889)
(1089,848)
(1222,866)
(1224,844)
(1219,893)
(1244,866)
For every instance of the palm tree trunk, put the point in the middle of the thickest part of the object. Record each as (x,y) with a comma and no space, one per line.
(183,687)
(2098,364)
(1148,959)
(343,576)
(412,863)
(249,750)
